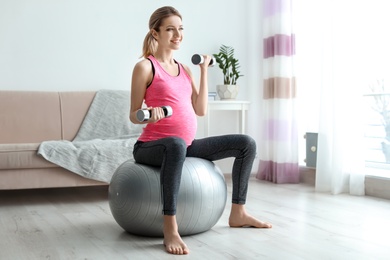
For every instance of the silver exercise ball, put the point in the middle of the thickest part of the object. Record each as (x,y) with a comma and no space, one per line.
(136,204)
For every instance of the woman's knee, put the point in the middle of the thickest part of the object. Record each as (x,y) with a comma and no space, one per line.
(176,144)
(249,143)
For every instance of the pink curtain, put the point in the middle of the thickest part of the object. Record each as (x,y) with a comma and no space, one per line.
(278,146)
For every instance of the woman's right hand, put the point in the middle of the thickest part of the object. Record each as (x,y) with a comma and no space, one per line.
(157,114)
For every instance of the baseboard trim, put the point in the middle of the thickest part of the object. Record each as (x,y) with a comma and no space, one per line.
(375,186)
(378,187)
(307,175)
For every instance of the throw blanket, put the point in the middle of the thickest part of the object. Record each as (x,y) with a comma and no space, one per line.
(105,139)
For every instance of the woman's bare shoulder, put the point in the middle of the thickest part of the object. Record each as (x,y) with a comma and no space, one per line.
(144,64)
(143,68)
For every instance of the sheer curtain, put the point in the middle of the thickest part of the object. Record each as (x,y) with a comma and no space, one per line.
(331,54)
(279,137)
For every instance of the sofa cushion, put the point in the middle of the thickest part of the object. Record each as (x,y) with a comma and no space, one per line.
(37,116)
(22,156)
(29,117)
(74,107)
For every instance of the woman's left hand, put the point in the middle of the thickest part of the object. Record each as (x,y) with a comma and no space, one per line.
(206,62)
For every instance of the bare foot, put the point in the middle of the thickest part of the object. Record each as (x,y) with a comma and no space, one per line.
(172,240)
(239,218)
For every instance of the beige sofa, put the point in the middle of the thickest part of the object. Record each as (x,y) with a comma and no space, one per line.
(28,118)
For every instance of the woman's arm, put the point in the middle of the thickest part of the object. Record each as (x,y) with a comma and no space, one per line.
(142,75)
(200,96)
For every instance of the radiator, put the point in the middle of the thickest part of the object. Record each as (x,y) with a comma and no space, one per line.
(311,149)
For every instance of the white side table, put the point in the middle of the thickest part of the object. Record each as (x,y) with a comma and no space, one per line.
(238,105)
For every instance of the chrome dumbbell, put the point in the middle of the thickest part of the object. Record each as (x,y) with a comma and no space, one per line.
(144,114)
(199,59)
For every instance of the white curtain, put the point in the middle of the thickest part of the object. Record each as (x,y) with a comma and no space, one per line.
(335,58)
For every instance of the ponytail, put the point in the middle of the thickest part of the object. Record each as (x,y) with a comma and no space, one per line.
(149,46)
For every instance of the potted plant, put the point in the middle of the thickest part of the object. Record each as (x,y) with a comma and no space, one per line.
(381,105)
(229,66)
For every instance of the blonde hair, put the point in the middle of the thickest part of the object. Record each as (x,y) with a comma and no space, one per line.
(155,21)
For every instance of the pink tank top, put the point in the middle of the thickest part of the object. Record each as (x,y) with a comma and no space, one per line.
(174,91)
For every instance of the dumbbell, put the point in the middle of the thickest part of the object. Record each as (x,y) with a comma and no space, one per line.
(145,114)
(199,59)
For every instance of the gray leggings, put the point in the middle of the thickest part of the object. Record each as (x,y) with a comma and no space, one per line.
(170,153)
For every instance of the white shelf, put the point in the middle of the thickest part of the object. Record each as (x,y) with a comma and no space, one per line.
(238,105)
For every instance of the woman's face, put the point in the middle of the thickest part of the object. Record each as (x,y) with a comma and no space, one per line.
(170,34)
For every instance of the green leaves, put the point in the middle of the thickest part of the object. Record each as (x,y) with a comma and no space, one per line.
(228,64)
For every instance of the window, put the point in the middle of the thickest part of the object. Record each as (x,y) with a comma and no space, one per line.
(377,125)
(312,20)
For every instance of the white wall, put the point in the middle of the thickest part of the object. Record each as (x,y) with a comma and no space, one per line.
(68,45)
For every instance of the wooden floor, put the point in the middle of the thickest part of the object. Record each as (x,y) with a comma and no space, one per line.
(77,224)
